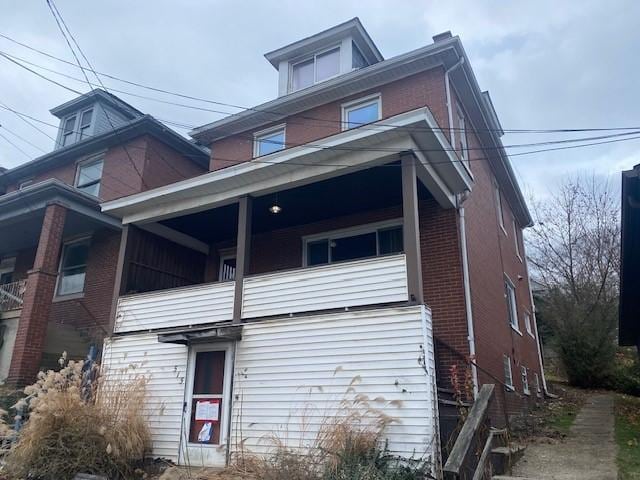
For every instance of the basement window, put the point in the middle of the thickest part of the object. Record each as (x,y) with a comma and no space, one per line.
(73,267)
(351,245)
(508,378)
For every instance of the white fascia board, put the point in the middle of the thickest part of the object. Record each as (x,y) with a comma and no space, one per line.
(293,167)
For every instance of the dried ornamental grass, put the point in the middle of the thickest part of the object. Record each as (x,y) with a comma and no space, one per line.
(72,429)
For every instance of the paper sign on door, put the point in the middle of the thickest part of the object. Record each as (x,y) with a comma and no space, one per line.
(207,410)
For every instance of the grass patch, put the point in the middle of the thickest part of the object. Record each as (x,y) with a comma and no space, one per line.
(562,418)
(627,413)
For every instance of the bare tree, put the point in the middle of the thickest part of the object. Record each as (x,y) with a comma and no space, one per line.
(574,250)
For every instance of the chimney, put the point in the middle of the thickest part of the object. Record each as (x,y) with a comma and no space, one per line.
(442,36)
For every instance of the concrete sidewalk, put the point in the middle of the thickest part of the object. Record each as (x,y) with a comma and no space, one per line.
(588,453)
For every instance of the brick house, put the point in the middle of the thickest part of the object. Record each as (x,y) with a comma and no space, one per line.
(359,231)
(58,252)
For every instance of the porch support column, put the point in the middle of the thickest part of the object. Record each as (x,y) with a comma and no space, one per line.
(243,252)
(41,284)
(411,227)
(122,275)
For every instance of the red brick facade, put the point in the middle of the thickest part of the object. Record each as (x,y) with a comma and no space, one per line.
(146,163)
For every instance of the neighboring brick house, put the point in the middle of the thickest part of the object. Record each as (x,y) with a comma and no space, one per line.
(58,252)
(366,224)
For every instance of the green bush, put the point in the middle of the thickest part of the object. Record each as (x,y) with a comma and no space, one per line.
(625,377)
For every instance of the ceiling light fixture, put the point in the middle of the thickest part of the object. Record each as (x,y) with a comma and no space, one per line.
(275,208)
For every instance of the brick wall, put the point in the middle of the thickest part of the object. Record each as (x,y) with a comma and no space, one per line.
(419,90)
(145,156)
(492,255)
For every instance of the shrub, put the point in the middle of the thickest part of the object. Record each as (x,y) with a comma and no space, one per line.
(80,426)
(625,377)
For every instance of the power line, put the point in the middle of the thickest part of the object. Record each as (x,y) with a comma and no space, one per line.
(59,19)
(256,109)
(15,146)
(23,139)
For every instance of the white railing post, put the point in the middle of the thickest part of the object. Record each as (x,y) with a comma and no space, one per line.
(11,295)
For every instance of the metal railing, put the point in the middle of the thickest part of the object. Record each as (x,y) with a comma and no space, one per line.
(11,295)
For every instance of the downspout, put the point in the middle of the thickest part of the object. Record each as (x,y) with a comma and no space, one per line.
(447,88)
(467,292)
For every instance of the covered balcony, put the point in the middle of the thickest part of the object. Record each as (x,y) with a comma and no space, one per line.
(319,230)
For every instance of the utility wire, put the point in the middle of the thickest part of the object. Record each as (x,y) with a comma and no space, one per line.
(15,146)
(261,110)
(59,19)
(28,142)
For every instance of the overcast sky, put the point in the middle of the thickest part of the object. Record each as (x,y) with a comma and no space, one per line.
(547,64)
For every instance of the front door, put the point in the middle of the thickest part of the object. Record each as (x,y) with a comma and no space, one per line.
(206,413)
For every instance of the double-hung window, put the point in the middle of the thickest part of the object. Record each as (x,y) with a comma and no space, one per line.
(89,175)
(525,380)
(85,123)
(68,132)
(350,245)
(73,267)
(361,111)
(462,136)
(318,68)
(268,141)
(527,323)
(499,208)
(512,309)
(508,377)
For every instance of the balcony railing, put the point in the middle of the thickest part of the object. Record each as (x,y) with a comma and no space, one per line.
(11,295)
(371,281)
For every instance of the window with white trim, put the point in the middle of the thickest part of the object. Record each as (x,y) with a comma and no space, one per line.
(499,207)
(512,309)
(89,175)
(353,244)
(360,112)
(73,267)
(516,239)
(527,323)
(85,123)
(68,132)
(462,136)
(508,377)
(322,66)
(536,379)
(525,380)
(269,141)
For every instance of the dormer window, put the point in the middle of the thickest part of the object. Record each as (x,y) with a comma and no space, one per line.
(68,132)
(85,123)
(268,141)
(318,68)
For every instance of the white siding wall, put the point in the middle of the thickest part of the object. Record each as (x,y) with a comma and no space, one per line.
(165,367)
(291,374)
(195,305)
(349,284)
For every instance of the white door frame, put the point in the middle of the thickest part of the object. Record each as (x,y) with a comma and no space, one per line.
(196,454)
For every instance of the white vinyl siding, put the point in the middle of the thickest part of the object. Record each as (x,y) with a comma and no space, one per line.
(165,366)
(348,284)
(197,305)
(293,373)
(508,377)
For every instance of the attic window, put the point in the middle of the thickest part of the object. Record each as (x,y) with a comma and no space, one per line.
(85,123)
(357,59)
(67,134)
(318,68)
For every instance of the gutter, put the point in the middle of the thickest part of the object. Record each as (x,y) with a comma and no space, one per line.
(467,292)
